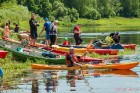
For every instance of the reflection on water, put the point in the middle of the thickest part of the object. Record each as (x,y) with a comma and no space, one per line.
(77,81)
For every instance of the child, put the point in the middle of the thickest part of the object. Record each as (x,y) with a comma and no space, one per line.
(6,31)
(66,42)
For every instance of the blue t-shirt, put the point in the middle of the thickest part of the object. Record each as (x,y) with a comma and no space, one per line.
(47,26)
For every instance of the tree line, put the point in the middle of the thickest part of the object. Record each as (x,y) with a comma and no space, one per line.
(73,9)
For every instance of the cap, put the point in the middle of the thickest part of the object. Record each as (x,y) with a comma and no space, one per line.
(66,38)
(56,21)
(46,19)
(71,48)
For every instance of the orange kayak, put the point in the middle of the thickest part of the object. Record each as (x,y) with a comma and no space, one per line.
(119,66)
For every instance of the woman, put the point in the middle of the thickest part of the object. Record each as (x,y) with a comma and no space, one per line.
(53,32)
(6,31)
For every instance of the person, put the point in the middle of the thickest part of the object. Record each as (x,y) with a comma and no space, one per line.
(53,32)
(116,38)
(66,42)
(16,28)
(77,32)
(6,31)
(98,44)
(33,29)
(47,29)
(109,39)
(71,58)
(24,37)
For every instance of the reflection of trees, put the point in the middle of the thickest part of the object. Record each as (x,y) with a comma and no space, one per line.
(51,80)
(35,86)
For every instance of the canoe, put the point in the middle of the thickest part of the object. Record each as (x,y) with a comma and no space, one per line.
(30,53)
(119,66)
(83,50)
(3,54)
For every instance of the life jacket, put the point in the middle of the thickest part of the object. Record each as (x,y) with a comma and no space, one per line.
(73,56)
(66,43)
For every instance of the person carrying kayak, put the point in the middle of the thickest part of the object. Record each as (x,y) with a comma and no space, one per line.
(71,58)
(66,42)
(77,32)
(47,29)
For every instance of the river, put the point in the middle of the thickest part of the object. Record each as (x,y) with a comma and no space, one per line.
(91,81)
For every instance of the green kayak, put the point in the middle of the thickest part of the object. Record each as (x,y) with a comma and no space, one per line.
(26,52)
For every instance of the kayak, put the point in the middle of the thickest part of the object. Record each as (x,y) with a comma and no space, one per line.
(25,53)
(80,58)
(119,66)
(3,54)
(129,46)
(83,50)
(125,46)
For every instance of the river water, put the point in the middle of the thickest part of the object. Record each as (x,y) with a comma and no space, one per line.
(91,81)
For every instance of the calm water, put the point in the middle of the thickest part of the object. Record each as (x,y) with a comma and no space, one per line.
(93,81)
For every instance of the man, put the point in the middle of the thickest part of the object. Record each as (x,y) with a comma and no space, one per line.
(47,29)
(33,29)
(77,33)
(71,58)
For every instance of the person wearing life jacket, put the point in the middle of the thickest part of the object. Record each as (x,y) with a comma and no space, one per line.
(77,32)
(66,42)
(71,58)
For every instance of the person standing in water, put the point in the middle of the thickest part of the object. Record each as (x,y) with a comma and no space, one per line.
(33,29)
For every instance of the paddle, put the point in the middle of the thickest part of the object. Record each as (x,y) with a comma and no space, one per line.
(89,44)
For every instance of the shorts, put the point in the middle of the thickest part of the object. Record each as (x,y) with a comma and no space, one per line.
(33,35)
(47,36)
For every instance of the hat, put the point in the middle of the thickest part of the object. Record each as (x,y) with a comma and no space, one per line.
(71,48)
(66,38)
(46,19)
(56,21)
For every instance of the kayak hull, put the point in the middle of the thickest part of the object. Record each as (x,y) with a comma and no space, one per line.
(3,54)
(119,66)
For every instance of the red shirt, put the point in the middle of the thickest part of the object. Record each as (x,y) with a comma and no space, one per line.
(66,43)
(76,29)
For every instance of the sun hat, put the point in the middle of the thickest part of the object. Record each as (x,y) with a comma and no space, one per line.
(56,21)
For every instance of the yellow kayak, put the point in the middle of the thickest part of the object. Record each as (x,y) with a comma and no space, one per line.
(118,66)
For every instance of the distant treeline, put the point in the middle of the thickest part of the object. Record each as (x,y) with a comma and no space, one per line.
(73,9)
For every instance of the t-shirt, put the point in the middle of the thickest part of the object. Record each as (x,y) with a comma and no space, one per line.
(33,24)
(77,29)
(47,26)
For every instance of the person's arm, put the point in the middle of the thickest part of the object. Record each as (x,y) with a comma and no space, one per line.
(42,30)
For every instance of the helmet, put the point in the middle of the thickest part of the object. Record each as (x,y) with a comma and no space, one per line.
(71,48)
(66,38)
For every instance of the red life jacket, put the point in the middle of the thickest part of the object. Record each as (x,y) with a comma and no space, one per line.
(73,57)
(66,43)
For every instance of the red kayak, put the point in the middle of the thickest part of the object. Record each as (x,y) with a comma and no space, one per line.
(80,58)
(105,51)
(129,46)
(3,54)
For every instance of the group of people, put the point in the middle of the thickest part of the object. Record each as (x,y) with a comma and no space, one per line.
(111,40)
